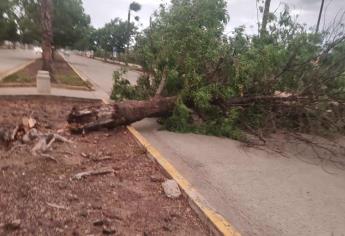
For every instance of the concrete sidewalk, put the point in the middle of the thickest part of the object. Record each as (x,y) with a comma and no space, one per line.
(260,193)
(54,92)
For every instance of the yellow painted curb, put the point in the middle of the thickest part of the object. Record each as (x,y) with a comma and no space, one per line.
(15,70)
(218,224)
(78,73)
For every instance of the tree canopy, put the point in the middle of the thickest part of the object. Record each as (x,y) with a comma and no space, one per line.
(8,28)
(70,23)
(113,36)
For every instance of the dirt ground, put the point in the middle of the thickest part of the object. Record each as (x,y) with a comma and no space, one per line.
(63,75)
(39,196)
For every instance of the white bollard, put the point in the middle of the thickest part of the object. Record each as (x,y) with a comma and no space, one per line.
(43,82)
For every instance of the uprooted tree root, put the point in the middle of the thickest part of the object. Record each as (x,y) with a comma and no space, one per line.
(27,136)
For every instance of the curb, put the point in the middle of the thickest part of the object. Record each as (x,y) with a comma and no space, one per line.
(88,83)
(15,70)
(119,63)
(105,100)
(216,223)
(52,97)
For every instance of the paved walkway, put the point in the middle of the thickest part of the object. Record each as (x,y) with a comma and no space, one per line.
(54,92)
(260,193)
(11,59)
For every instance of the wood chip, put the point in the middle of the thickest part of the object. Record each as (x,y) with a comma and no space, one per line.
(32,123)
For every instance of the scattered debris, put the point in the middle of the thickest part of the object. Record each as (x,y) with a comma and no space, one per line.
(57,206)
(156,178)
(171,188)
(98,223)
(102,171)
(109,230)
(46,141)
(49,157)
(83,154)
(106,158)
(12,226)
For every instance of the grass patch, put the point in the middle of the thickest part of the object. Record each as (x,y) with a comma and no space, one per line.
(17,78)
(63,75)
(71,80)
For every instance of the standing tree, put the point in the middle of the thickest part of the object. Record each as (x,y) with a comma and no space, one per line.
(70,24)
(320,14)
(47,33)
(265,17)
(8,26)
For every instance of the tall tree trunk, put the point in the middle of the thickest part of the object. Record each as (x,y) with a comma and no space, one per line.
(47,33)
(128,35)
(265,17)
(320,15)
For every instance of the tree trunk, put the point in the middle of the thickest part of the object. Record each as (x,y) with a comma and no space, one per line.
(127,112)
(320,15)
(47,34)
(128,35)
(265,17)
(118,114)
(162,83)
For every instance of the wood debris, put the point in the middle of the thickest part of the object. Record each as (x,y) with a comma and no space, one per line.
(102,171)
(57,206)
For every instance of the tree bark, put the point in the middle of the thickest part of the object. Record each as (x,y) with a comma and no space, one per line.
(118,114)
(47,34)
(162,83)
(265,17)
(127,112)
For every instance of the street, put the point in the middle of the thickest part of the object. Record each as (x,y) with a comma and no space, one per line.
(10,59)
(100,73)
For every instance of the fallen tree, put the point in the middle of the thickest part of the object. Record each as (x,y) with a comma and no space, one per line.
(287,78)
(118,114)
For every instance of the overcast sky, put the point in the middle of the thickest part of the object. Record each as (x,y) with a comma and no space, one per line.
(242,12)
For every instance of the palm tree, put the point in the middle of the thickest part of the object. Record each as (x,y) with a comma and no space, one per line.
(134,6)
(47,33)
(320,14)
(265,17)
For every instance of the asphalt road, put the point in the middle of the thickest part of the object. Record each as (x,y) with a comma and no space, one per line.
(11,59)
(98,72)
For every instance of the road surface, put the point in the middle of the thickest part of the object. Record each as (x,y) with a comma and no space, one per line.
(100,73)
(11,59)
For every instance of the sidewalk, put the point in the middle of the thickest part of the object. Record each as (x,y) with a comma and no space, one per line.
(259,193)
(54,92)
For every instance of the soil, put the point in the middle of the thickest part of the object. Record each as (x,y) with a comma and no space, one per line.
(40,196)
(63,75)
